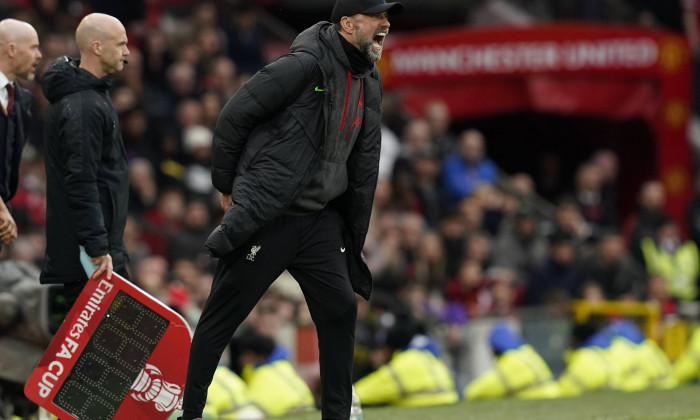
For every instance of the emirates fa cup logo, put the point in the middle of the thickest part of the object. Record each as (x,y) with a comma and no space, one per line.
(150,386)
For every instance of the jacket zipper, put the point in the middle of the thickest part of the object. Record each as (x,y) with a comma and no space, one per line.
(347,100)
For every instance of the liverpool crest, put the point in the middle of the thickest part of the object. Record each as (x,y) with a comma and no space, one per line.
(253,251)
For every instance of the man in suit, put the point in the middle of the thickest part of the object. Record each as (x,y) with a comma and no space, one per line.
(19,56)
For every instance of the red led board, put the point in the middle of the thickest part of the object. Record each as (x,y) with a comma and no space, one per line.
(119,354)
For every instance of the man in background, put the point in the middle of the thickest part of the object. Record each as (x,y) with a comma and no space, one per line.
(19,56)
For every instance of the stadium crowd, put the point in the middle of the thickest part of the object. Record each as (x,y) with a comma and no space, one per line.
(453,238)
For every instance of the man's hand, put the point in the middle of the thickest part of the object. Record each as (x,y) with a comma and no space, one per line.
(226,201)
(8,228)
(104,263)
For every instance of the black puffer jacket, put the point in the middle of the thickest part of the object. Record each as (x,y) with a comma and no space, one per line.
(269,137)
(86,170)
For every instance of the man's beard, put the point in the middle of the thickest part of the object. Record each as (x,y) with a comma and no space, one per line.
(366,48)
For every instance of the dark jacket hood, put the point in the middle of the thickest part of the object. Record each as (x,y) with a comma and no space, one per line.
(325,33)
(64,76)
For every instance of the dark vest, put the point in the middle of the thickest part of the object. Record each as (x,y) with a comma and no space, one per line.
(13,128)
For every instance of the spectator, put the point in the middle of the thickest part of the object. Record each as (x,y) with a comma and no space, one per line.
(471,212)
(169,161)
(593,200)
(667,255)
(161,223)
(394,115)
(523,186)
(150,274)
(404,188)
(205,15)
(560,273)
(550,177)
(614,270)
(415,139)
(189,113)
(133,240)
(470,289)
(197,144)
(221,79)
(656,292)
(492,203)
(211,106)
(425,166)
(143,190)
(568,219)
(383,251)
(29,202)
(189,241)
(608,164)
(156,57)
(197,293)
(478,248)
(454,232)
(212,45)
(466,169)
(182,80)
(245,38)
(519,246)
(503,292)
(431,262)
(425,306)
(412,227)
(644,221)
(136,133)
(437,114)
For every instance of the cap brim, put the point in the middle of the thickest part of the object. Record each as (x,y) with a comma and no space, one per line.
(392,8)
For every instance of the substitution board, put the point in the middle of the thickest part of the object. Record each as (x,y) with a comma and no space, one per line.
(119,354)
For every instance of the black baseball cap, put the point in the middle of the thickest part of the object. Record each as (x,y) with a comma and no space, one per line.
(367,7)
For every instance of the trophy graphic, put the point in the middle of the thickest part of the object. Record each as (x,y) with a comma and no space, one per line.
(150,386)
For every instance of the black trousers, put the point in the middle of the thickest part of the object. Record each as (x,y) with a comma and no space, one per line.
(312,249)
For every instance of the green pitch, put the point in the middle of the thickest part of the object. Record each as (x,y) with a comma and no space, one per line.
(677,404)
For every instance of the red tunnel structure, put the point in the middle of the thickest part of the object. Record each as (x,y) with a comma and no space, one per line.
(610,72)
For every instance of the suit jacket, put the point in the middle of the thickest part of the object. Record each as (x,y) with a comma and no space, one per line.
(15,129)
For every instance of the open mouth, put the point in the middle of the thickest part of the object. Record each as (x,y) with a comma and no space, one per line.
(378,41)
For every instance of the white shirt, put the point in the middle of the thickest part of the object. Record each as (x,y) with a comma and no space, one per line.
(4,97)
